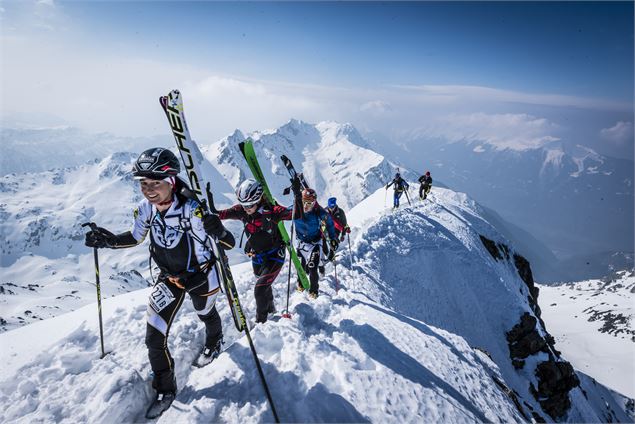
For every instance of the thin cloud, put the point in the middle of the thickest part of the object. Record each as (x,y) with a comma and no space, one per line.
(501,131)
(460,93)
(620,133)
(376,107)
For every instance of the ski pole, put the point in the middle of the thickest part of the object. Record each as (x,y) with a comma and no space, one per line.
(337,283)
(287,314)
(262,375)
(228,280)
(350,253)
(93,227)
(408,197)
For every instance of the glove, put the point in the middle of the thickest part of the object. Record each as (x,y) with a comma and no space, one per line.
(347,229)
(334,244)
(331,256)
(296,185)
(100,238)
(213,226)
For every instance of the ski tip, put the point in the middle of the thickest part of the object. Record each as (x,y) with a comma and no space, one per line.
(163,100)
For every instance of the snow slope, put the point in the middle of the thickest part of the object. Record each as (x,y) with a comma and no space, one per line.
(46,269)
(592,322)
(415,334)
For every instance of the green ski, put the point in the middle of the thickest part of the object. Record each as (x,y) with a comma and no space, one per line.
(247,149)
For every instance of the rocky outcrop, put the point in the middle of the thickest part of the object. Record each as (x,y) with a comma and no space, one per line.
(525,340)
(555,380)
(529,337)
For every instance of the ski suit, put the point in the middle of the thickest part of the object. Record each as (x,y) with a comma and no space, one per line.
(265,247)
(399,186)
(426,185)
(308,228)
(180,248)
(339,221)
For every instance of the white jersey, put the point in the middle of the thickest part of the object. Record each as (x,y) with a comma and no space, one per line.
(178,241)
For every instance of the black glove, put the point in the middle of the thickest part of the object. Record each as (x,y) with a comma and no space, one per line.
(334,244)
(100,237)
(213,226)
(296,185)
(331,256)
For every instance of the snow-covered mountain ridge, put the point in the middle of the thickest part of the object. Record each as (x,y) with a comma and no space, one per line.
(42,212)
(44,149)
(335,159)
(367,353)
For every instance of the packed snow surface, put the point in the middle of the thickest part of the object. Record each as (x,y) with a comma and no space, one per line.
(415,333)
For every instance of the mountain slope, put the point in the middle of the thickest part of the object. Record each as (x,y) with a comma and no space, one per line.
(46,269)
(43,149)
(335,160)
(577,202)
(592,322)
(415,334)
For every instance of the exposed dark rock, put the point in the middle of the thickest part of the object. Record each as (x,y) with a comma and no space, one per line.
(525,326)
(538,418)
(518,363)
(555,380)
(491,248)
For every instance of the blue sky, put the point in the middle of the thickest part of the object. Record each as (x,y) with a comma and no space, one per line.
(559,47)
(371,63)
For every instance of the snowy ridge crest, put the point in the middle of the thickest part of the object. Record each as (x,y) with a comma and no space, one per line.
(416,333)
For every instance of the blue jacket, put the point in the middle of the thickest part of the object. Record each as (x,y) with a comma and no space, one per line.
(308,228)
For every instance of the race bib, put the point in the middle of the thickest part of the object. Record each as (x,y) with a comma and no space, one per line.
(160,297)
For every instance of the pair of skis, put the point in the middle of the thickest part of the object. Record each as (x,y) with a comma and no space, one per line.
(247,149)
(172,105)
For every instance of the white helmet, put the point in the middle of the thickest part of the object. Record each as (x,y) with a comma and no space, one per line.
(249,193)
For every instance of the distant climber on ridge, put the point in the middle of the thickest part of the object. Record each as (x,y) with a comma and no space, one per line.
(399,186)
(426,185)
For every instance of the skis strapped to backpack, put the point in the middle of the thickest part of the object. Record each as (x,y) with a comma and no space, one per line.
(173,107)
(247,149)
(293,174)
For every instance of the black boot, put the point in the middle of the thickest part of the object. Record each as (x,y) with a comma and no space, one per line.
(160,404)
(208,354)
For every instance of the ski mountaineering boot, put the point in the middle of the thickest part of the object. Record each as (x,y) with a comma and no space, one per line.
(160,404)
(208,354)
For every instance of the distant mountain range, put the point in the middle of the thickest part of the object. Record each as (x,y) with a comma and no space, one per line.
(571,209)
(576,202)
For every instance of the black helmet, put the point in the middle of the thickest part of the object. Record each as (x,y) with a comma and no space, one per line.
(156,163)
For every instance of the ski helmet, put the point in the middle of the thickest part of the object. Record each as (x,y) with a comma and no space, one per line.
(428,173)
(156,163)
(332,202)
(308,195)
(249,193)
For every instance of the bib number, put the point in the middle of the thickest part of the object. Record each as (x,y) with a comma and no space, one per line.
(160,297)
